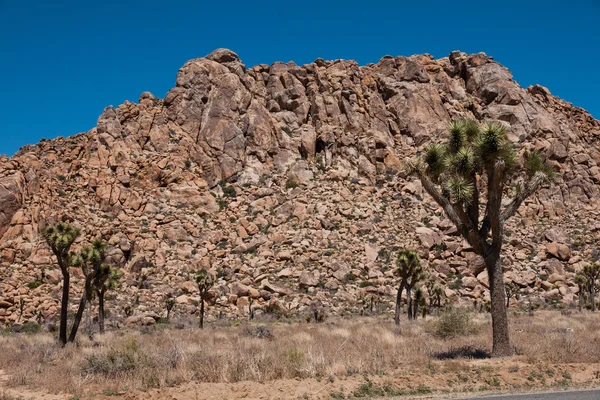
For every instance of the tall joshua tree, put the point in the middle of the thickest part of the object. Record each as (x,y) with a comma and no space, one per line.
(205,280)
(60,238)
(469,173)
(108,278)
(90,261)
(591,273)
(408,267)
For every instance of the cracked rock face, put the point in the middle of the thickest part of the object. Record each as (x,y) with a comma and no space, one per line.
(277,176)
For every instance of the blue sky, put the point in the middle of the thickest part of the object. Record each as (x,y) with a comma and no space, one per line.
(63,61)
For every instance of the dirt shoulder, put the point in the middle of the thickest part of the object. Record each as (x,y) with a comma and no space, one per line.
(444,379)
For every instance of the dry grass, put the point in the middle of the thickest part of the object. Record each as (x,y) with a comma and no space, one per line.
(124,360)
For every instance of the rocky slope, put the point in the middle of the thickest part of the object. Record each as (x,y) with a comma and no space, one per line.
(284,180)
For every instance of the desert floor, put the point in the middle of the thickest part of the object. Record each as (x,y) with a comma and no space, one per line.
(361,357)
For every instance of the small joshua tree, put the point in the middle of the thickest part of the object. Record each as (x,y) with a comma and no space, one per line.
(581,282)
(591,273)
(468,175)
(408,267)
(108,278)
(169,304)
(418,302)
(512,290)
(205,280)
(435,293)
(90,261)
(60,238)
(417,276)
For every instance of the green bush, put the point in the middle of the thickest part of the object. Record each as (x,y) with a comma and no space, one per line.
(454,322)
(291,184)
(229,191)
(34,285)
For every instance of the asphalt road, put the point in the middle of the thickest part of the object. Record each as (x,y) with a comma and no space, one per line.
(565,395)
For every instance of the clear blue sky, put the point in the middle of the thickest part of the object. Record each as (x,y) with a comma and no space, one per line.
(63,61)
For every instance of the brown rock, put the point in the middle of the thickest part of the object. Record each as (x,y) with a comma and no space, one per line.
(560,251)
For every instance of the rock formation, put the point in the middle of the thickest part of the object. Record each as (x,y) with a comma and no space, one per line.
(286,181)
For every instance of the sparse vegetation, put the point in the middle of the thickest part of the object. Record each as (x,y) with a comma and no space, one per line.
(348,349)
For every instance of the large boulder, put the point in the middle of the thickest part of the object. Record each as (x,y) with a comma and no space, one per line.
(11,199)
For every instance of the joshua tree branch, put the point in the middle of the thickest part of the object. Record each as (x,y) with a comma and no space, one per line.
(456,214)
(530,188)
(473,207)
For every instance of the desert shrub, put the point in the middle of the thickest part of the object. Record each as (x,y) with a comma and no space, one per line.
(34,285)
(29,327)
(114,362)
(469,352)
(291,184)
(259,332)
(454,322)
(229,191)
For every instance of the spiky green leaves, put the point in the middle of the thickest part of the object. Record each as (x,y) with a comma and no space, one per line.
(93,255)
(111,277)
(459,189)
(491,145)
(470,146)
(409,266)
(464,162)
(61,236)
(205,280)
(456,136)
(536,163)
(434,159)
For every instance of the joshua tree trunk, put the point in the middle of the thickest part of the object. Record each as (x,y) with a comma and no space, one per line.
(398,304)
(64,306)
(501,340)
(409,302)
(415,309)
(201,312)
(593,298)
(78,317)
(88,319)
(101,311)
(580,299)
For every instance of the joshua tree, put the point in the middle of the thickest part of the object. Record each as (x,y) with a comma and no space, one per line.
(417,302)
(205,281)
(108,278)
(470,173)
(581,282)
(60,238)
(90,261)
(169,304)
(512,290)
(417,276)
(435,293)
(591,273)
(410,270)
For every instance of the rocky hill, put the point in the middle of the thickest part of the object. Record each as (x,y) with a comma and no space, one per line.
(287,182)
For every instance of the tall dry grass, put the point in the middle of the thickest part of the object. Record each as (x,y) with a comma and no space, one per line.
(161,357)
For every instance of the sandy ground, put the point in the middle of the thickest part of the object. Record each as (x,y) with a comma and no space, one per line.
(444,379)
(21,393)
